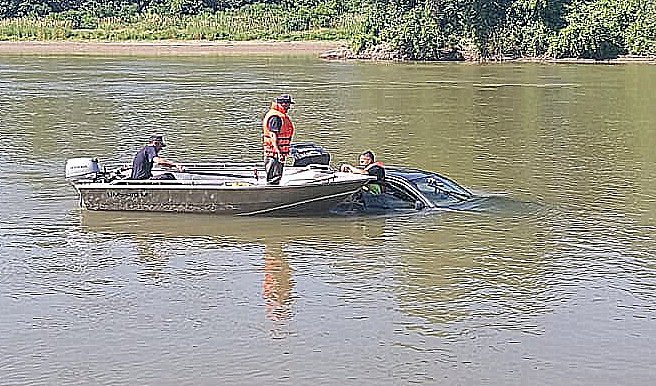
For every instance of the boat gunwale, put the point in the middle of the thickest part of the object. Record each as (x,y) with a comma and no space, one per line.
(211,184)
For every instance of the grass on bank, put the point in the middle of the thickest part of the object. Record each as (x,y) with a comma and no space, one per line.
(253,23)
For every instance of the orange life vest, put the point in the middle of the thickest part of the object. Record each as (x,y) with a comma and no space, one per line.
(284,135)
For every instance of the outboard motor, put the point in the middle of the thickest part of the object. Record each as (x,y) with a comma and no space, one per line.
(304,154)
(81,168)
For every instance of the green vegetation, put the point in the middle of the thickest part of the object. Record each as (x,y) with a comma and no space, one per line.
(404,29)
(248,23)
(181,21)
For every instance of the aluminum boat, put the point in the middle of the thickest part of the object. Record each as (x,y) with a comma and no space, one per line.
(216,188)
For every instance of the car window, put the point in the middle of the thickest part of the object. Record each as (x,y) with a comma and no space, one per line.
(440,190)
(430,189)
(399,193)
(395,197)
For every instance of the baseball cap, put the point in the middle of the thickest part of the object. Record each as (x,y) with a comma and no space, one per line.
(157,139)
(284,98)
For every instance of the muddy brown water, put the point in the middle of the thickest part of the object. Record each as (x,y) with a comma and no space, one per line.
(551,280)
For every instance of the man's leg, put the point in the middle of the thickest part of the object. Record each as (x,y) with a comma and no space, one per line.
(273,169)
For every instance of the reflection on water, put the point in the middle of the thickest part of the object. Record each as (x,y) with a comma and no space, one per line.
(149,254)
(277,284)
(155,235)
(548,274)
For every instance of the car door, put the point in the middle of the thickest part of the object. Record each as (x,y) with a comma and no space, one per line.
(403,194)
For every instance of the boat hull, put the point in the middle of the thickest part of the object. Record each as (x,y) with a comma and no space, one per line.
(231,199)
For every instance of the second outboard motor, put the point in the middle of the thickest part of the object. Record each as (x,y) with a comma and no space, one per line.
(307,153)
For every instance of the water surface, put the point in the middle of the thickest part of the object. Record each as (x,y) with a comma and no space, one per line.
(551,281)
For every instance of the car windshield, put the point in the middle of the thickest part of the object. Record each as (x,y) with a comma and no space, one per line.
(440,189)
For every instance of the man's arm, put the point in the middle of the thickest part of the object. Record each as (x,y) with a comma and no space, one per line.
(164,162)
(274,124)
(274,141)
(352,169)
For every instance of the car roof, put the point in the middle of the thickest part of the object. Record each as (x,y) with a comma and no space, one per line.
(410,174)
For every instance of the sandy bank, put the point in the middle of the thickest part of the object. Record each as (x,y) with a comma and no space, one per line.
(168,48)
(331,50)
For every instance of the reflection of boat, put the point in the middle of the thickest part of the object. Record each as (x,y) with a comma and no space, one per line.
(272,248)
(234,230)
(221,188)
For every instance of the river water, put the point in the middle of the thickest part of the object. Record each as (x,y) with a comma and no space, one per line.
(552,282)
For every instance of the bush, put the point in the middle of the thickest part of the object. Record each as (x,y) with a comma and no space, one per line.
(419,37)
(410,29)
(597,29)
(641,34)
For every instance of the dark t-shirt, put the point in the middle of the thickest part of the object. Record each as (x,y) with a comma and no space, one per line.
(378,172)
(274,123)
(142,165)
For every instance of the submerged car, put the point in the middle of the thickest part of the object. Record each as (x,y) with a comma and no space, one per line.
(407,189)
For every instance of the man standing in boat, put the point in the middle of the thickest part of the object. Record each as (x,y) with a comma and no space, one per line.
(277,133)
(143,162)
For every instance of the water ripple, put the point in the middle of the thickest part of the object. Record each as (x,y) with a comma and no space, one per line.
(553,259)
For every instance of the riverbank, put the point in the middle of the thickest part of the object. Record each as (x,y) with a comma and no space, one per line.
(325,49)
(169,48)
(386,54)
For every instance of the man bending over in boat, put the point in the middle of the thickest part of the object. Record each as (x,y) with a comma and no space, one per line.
(277,133)
(143,162)
(369,165)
